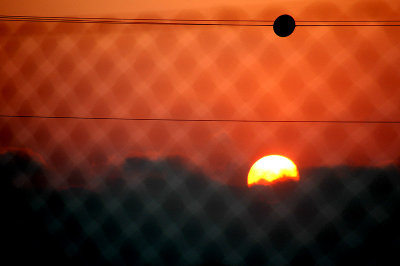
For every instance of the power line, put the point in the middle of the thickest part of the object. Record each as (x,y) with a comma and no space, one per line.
(175,19)
(349,25)
(197,22)
(202,120)
(134,21)
(131,19)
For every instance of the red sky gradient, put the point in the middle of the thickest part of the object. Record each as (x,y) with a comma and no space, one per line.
(250,9)
(204,72)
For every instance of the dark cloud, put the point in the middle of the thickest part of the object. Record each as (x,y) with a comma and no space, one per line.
(166,211)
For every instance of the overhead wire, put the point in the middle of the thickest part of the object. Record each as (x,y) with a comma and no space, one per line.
(198,22)
(202,120)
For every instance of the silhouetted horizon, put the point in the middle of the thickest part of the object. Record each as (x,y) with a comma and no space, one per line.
(177,215)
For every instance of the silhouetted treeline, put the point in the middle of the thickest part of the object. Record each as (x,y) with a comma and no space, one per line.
(167,212)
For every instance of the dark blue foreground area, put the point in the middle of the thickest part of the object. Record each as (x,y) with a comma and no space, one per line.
(336,215)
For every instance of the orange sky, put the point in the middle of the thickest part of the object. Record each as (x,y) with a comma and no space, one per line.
(133,7)
(300,9)
(194,72)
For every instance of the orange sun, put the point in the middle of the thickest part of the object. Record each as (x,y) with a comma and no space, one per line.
(270,169)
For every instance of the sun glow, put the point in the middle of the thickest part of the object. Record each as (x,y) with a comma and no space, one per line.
(270,169)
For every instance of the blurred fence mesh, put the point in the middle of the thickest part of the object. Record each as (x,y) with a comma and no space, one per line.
(172,192)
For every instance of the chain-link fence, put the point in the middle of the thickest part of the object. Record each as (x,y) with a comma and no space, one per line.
(130,143)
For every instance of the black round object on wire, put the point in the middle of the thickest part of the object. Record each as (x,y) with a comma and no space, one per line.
(284,25)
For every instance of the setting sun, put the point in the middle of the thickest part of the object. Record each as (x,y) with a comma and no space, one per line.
(272,168)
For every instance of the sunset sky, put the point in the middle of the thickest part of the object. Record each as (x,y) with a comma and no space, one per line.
(201,72)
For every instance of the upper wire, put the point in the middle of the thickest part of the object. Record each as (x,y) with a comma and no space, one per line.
(196,22)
